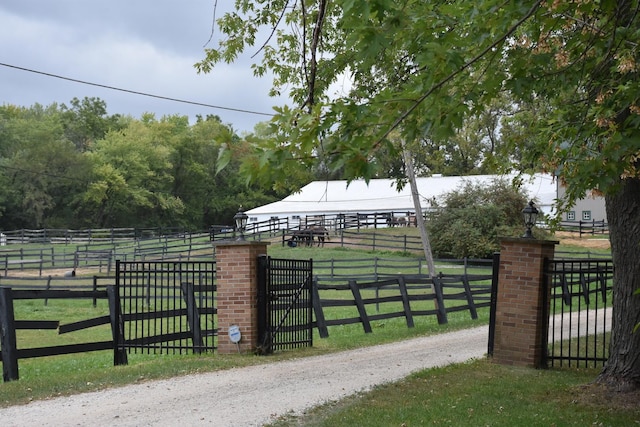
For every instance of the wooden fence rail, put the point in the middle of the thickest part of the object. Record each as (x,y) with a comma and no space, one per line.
(10,353)
(585,227)
(398,297)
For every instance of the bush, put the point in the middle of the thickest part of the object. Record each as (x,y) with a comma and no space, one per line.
(474,217)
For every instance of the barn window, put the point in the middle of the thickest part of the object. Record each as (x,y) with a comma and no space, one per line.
(586,215)
(571,216)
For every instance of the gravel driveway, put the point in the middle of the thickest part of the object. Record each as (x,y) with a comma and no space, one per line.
(251,396)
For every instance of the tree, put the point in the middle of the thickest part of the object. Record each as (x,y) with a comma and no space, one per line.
(425,67)
(41,168)
(588,56)
(131,180)
(211,195)
(86,121)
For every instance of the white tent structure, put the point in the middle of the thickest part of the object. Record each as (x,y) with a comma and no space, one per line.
(331,198)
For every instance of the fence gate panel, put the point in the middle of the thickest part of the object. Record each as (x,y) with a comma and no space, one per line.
(580,311)
(285,311)
(167,307)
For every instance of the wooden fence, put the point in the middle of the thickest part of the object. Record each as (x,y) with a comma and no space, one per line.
(379,268)
(103,255)
(359,239)
(403,296)
(585,227)
(92,235)
(8,325)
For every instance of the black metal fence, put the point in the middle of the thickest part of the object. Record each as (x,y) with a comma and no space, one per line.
(167,307)
(580,311)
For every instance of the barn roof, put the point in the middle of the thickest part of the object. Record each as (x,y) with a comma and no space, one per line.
(381,195)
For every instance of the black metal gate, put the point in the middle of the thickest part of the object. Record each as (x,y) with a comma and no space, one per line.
(166,307)
(580,311)
(285,311)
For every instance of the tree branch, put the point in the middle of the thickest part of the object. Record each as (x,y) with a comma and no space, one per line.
(273,30)
(315,42)
(462,68)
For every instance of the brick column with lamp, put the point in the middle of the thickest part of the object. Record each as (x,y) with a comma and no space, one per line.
(522,303)
(522,298)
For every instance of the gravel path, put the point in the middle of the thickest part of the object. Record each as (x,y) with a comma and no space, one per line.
(254,395)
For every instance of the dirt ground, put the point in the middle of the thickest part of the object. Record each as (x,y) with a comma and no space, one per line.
(589,242)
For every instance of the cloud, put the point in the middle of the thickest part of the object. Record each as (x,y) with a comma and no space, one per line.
(144,46)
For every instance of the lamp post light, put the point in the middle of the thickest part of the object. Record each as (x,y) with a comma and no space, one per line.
(241,222)
(530,214)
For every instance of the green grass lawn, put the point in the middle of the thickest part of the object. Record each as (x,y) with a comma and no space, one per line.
(479,393)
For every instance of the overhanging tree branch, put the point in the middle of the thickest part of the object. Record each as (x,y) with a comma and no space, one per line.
(462,68)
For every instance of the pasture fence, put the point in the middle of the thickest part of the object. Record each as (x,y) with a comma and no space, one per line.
(585,227)
(345,291)
(10,353)
(407,296)
(103,255)
(354,239)
(91,235)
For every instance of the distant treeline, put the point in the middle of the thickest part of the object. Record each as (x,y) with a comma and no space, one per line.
(77,167)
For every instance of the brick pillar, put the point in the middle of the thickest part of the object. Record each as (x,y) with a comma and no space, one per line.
(237,293)
(521,316)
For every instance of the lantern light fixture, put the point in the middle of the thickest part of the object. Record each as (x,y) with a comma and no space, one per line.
(241,219)
(530,215)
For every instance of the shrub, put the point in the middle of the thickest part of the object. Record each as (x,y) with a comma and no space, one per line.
(473,218)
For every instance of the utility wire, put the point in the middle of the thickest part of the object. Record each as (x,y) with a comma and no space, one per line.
(135,92)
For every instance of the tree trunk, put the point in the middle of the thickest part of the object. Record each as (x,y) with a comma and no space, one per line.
(622,370)
(426,243)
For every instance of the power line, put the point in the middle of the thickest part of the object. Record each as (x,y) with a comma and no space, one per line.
(134,92)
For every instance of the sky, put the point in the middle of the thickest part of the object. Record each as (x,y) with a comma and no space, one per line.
(147,46)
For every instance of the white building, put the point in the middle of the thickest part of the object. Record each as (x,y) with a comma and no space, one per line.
(331,198)
(590,208)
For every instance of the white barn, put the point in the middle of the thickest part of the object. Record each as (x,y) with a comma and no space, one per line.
(331,198)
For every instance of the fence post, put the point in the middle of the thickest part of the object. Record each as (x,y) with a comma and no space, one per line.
(117,325)
(193,315)
(47,287)
(521,316)
(492,303)
(8,343)
(357,297)
(95,289)
(321,322)
(264,336)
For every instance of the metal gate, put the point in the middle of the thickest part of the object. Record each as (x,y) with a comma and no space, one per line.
(166,307)
(285,311)
(580,311)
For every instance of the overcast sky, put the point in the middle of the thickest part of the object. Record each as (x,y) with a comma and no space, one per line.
(146,46)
